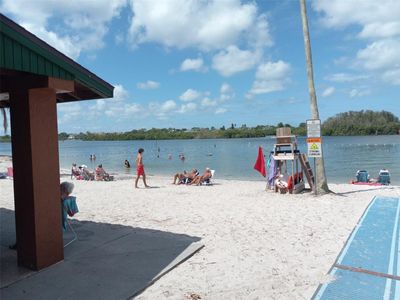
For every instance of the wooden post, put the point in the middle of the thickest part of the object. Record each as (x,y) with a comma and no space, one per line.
(321,185)
(33,115)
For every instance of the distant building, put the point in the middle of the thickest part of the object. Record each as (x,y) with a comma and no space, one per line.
(71,137)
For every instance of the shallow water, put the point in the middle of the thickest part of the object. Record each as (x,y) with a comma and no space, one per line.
(232,158)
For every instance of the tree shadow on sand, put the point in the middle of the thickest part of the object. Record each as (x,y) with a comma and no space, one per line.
(343,194)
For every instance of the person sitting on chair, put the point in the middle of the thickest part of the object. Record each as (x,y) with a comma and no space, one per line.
(66,189)
(101,174)
(68,203)
(185,177)
(76,172)
(203,178)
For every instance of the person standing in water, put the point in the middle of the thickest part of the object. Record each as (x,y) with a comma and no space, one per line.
(140,168)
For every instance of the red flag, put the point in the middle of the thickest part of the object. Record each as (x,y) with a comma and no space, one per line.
(260,163)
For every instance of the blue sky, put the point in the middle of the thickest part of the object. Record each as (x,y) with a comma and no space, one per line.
(187,63)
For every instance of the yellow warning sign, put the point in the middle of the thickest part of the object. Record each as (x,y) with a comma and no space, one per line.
(314,148)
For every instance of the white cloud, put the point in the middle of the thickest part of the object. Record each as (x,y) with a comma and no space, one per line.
(380,28)
(84,23)
(392,76)
(119,107)
(328,91)
(69,107)
(208,25)
(233,60)
(382,54)
(359,93)
(168,106)
(148,85)
(189,107)
(270,77)
(345,77)
(68,112)
(162,110)
(190,95)
(126,110)
(120,93)
(193,65)
(338,13)
(207,102)
(226,92)
(225,88)
(99,105)
(220,110)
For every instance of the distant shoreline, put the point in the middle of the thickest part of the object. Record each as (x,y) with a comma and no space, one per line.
(203,138)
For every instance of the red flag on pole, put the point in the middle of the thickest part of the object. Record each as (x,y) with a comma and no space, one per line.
(260,163)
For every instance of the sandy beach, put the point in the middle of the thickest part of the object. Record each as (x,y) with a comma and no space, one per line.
(258,244)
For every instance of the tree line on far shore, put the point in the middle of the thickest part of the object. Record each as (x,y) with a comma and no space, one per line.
(349,123)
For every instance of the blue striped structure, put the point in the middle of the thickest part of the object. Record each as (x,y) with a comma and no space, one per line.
(369,265)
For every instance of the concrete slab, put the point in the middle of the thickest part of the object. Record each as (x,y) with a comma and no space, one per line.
(106,262)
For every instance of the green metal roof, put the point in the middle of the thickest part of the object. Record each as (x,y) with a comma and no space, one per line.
(20,50)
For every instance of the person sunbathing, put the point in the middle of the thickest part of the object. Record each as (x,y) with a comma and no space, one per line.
(203,178)
(185,177)
(86,173)
(75,172)
(101,174)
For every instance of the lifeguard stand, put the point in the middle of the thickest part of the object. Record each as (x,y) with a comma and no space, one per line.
(286,150)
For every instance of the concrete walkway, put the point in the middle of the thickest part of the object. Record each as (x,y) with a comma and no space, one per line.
(107,261)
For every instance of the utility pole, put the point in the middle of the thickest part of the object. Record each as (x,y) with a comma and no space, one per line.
(321,182)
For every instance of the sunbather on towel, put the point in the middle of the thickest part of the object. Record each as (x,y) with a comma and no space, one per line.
(185,177)
(203,178)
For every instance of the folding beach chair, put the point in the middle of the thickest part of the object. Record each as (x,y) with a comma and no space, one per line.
(69,208)
(208,181)
(362,176)
(384,177)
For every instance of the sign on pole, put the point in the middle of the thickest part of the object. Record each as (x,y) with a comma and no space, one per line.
(314,128)
(314,148)
(314,138)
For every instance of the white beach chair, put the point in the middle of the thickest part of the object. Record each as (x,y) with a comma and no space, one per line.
(208,181)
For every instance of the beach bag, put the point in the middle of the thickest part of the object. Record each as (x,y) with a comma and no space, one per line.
(362,176)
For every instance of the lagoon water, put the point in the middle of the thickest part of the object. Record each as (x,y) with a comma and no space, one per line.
(232,158)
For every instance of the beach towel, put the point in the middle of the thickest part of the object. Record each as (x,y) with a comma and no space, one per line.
(272,172)
(68,208)
(260,163)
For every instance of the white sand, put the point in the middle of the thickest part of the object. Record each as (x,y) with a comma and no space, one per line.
(258,245)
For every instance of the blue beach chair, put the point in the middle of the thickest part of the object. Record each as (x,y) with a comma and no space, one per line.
(384,177)
(362,176)
(69,208)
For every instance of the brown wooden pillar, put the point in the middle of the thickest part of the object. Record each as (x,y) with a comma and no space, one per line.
(33,115)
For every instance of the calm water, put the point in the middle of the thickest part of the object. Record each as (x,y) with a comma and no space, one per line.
(233,158)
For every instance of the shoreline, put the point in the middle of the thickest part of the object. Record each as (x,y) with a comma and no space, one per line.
(6,161)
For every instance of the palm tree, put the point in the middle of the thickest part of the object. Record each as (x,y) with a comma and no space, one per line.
(321,182)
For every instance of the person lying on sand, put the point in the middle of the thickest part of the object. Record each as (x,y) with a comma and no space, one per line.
(203,178)
(185,177)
